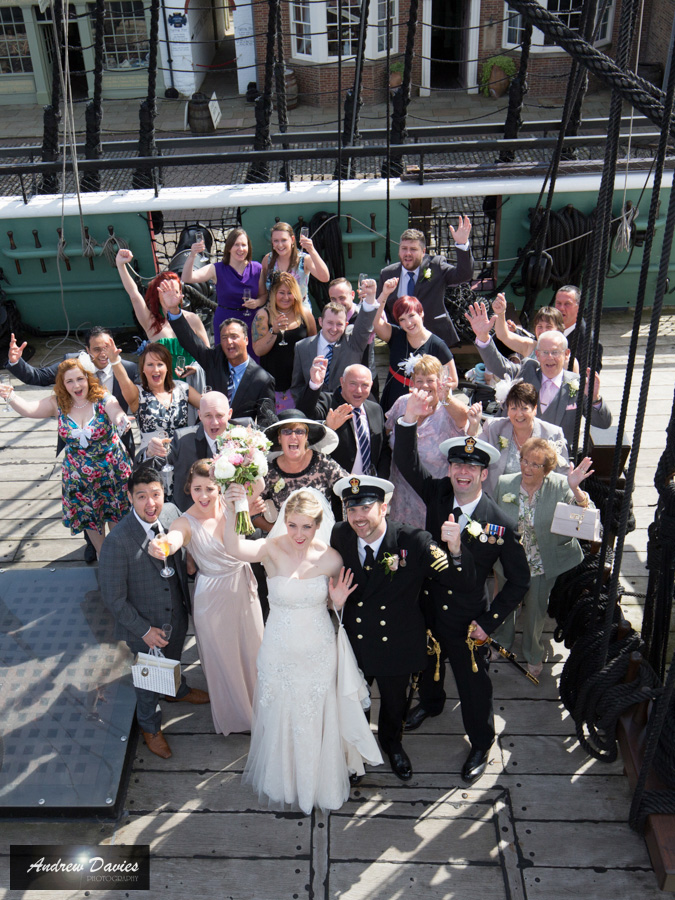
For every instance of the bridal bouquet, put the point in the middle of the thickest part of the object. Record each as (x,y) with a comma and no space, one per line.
(241,460)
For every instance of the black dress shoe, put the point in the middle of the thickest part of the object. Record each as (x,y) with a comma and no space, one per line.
(90,554)
(400,764)
(416,716)
(475,765)
(355,779)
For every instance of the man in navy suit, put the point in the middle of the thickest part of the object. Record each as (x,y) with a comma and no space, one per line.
(426,277)
(489,536)
(227,367)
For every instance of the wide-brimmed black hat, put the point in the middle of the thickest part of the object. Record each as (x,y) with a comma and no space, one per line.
(320,437)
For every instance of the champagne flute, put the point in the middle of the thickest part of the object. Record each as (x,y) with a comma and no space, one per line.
(180,365)
(4,379)
(304,232)
(199,237)
(166,440)
(165,548)
(283,342)
(444,389)
(245,297)
(167,629)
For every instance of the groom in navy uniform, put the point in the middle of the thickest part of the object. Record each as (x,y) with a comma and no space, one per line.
(382,617)
(489,536)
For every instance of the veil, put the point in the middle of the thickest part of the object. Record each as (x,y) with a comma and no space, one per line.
(328,520)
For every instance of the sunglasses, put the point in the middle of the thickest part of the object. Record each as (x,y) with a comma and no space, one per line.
(289,431)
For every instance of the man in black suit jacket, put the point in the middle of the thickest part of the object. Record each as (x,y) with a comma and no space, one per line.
(227,368)
(382,617)
(426,277)
(141,600)
(567,300)
(489,536)
(339,410)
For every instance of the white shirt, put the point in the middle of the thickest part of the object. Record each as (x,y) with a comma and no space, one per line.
(105,377)
(467,511)
(568,331)
(148,526)
(375,545)
(403,280)
(211,444)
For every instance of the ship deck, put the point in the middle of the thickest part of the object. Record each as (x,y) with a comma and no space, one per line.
(545,822)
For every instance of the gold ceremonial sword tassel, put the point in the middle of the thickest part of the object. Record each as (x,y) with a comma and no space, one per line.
(434,649)
(508,656)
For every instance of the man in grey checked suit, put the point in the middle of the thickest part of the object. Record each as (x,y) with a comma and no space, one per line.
(556,386)
(337,349)
(141,600)
(426,277)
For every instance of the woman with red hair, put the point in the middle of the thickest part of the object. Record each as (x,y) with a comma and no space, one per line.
(95,466)
(408,340)
(152,318)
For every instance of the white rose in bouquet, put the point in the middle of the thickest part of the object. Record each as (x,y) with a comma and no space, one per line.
(223,469)
(260,461)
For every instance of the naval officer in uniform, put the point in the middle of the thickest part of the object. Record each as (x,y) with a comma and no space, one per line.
(488,535)
(382,617)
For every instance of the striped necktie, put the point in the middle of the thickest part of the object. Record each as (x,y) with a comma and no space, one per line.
(363,437)
(230,383)
(329,360)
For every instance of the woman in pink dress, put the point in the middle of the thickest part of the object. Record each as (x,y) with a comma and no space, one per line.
(225,609)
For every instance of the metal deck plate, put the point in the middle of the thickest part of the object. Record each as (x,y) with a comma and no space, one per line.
(66,701)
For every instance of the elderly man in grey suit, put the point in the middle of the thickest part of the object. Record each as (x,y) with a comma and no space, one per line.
(557,387)
(331,347)
(426,277)
(142,601)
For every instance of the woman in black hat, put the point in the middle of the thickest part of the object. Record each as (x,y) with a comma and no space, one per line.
(298,460)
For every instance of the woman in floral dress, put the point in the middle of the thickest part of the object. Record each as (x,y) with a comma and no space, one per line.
(95,467)
(160,404)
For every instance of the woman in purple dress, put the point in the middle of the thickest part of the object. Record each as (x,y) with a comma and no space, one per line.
(233,276)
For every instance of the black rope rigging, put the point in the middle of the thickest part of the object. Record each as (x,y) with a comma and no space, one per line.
(259,171)
(353,98)
(393,165)
(285,173)
(49,183)
(517,91)
(144,176)
(91,181)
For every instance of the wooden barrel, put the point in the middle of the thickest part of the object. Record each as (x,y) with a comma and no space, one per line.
(199,115)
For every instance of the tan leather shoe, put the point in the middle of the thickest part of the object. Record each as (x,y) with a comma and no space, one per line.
(157,744)
(195,695)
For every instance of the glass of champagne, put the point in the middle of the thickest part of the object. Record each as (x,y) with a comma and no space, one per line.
(4,379)
(283,342)
(180,365)
(167,629)
(444,389)
(199,237)
(245,297)
(166,441)
(165,548)
(304,232)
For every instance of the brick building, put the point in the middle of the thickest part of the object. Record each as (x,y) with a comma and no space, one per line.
(452,42)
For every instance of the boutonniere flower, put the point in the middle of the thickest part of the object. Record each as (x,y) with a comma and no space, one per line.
(474,528)
(426,273)
(279,486)
(510,498)
(390,561)
(573,389)
(503,442)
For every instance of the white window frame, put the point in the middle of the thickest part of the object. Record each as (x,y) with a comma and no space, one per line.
(538,45)
(318,41)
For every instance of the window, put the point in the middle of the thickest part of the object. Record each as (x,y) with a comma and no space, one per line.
(568,11)
(315,34)
(301,28)
(125,35)
(14,50)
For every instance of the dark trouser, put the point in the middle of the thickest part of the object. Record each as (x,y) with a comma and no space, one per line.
(474,688)
(147,712)
(393,698)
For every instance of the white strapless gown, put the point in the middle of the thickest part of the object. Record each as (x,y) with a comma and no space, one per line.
(297,758)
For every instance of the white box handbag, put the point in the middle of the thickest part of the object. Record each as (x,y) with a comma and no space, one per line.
(576,521)
(154,672)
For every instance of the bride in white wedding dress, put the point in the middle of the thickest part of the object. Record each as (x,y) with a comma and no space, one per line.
(298,754)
